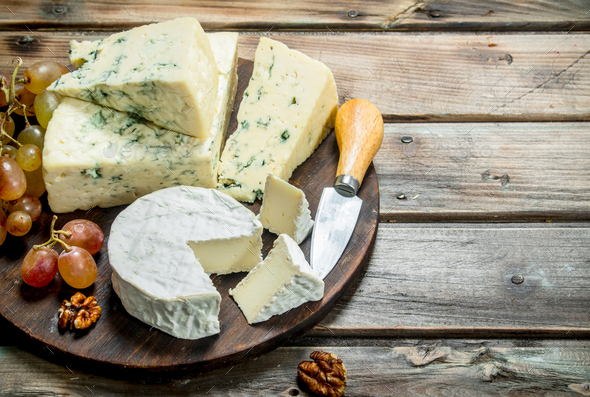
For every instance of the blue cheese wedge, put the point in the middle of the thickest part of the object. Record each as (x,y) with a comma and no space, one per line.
(158,252)
(285,209)
(282,282)
(97,156)
(287,110)
(164,72)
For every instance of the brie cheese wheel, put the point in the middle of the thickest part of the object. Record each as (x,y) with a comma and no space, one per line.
(287,110)
(164,72)
(162,247)
(285,209)
(282,282)
(97,156)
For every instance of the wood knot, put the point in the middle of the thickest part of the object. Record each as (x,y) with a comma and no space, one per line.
(506,57)
(55,11)
(495,175)
(430,13)
(25,41)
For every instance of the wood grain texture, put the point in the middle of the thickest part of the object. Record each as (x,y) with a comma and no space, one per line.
(485,172)
(439,280)
(421,77)
(263,15)
(371,371)
(119,340)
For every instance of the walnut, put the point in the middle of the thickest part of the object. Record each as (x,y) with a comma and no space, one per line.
(325,376)
(80,313)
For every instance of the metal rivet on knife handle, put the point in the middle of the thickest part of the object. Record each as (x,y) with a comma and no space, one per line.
(359,133)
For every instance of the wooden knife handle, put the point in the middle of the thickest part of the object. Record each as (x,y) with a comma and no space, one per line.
(359,133)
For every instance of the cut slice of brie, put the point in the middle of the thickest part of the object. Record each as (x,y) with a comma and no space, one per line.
(285,209)
(282,282)
(161,249)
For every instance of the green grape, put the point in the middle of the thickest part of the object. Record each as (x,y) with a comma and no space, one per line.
(5,80)
(8,151)
(25,97)
(28,157)
(45,103)
(41,74)
(8,126)
(34,135)
(35,184)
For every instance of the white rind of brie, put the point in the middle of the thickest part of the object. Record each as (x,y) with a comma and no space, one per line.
(285,209)
(159,278)
(282,282)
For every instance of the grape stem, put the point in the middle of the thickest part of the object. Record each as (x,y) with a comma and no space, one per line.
(13,102)
(54,239)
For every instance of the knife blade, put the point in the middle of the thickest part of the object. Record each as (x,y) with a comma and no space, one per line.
(359,133)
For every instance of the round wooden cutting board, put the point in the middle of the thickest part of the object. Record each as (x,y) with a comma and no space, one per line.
(120,340)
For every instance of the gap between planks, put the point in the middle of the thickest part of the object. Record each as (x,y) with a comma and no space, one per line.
(264,15)
(457,281)
(422,77)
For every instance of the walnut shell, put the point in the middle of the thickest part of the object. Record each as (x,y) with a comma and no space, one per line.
(79,313)
(325,376)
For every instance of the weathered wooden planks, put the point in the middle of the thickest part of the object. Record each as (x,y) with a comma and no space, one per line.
(438,280)
(306,15)
(375,371)
(485,172)
(456,77)
(423,77)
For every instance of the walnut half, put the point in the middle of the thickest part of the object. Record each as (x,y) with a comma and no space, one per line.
(325,376)
(80,312)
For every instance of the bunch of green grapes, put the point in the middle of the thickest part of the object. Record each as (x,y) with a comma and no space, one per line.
(21,176)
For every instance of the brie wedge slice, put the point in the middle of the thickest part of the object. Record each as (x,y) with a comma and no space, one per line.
(282,282)
(285,209)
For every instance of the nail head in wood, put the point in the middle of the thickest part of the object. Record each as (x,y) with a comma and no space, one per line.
(59,9)
(518,279)
(407,139)
(352,14)
(401,196)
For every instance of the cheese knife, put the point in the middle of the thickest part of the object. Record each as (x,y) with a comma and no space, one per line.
(359,133)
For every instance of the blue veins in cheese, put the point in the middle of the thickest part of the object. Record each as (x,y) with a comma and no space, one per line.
(287,110)
(97,156)
(164,72)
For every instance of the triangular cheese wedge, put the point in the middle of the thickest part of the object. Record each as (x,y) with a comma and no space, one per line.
(283,281)
(285,209)
(164,72)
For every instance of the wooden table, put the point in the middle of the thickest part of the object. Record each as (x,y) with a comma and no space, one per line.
(479,283)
